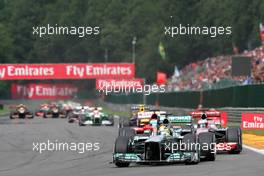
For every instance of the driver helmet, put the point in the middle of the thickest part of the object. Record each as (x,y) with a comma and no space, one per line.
(166,122)
(204,116)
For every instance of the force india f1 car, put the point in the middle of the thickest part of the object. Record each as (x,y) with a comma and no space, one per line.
(95,116)
(21,111)
(227,138)
(178,144)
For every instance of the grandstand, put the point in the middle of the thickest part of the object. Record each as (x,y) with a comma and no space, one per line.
(215,72)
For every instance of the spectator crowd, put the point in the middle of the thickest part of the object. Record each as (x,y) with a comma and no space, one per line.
(215,72)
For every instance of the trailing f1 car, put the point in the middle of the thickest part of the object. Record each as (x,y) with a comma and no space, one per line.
(80,112)
(44,108)
(140,116)
(96,117)
(21,111)
(227,138)
(68,106)
(134,113)
(173,140)
(55,112)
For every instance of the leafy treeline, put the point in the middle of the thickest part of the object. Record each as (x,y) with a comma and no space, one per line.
(119,22)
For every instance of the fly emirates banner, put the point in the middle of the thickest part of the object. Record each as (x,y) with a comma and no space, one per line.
(66,71)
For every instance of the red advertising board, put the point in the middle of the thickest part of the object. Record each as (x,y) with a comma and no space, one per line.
(43,91)
(161,78)
(118,83)
(67,71)
(252,121)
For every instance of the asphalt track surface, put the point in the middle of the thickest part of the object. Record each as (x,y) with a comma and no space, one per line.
(17,157)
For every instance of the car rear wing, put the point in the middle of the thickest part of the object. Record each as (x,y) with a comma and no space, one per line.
(180,119)
(93,108)
(17,106)
(198,114)
(140,108)
(220,117)
(148,114)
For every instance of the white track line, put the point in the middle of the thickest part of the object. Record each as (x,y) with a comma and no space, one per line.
(253,149)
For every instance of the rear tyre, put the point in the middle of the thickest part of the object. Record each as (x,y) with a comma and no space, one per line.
(81,120)
(123,122)
(70,120)
(31,115)
(234,135)
(207,146)
(121,146)
(81,123)
(111,119)
(71,117)
(11,116)
(126,131)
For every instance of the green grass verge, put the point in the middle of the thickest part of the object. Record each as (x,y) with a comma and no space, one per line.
(3,112)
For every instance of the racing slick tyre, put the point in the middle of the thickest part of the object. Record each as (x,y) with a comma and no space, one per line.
(207,146)
(31,115)
(70,120)
(234,135)
(81,123)
(81,120)
(190,142)
(126,131)
(36,113)
(123,122)
(111,119)
(121,146)
(11,116)
(55,115)
(71,116)
(47,115)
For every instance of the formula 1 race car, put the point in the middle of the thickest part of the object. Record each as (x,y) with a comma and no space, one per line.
(134,113)
(174,140)
(44,108)
(21,111)
(68,107)
(140,115)
(96,117)
(55,112)
(227,138)
(79,112)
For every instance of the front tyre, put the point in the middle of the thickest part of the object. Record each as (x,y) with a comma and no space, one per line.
(191,141)
(121,146)
(207,145)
